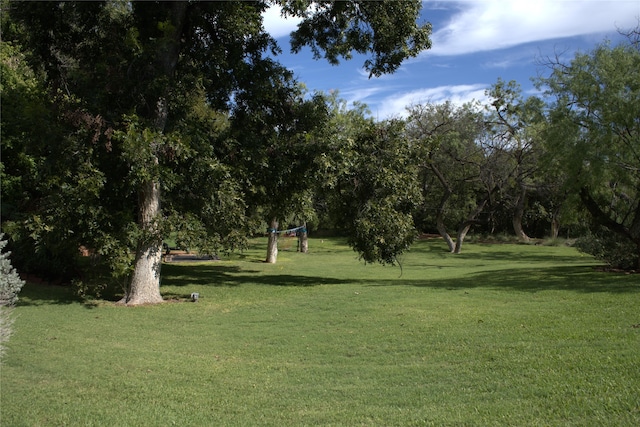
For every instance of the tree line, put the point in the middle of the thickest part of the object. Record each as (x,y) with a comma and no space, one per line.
(123,123)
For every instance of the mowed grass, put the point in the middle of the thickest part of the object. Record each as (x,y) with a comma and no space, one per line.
(500,335)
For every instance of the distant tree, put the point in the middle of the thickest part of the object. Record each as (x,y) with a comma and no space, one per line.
(275,136)
(559,207)
(344,123)
(445,143)
(595,134)
(515,123)
(377,190)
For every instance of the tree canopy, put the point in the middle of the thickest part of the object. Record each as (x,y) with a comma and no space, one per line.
(126,122)
(142,95)
(595,131)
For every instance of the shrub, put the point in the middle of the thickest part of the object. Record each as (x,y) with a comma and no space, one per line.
(10,285)
(610,248)
(10,282)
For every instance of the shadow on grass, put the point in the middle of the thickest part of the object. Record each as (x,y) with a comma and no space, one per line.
(37,294)
(231,276)
(200,274)
(519,257)
(526,278)
(436,248)
(571,278)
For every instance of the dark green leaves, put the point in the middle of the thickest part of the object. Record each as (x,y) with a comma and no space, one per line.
(379,192)
(595,131)
(385,29)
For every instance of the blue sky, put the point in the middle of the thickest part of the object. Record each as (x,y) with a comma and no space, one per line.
(474,43)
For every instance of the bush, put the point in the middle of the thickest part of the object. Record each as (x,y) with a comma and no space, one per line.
(39,251)
(10,285)
(10,282)
(610,248)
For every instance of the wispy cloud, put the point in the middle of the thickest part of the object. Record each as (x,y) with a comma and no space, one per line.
(361,94)
(484,25)
(512,58)
(396,104)
(487,28)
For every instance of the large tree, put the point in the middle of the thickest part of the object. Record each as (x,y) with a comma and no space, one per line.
(595,132)
(126,76)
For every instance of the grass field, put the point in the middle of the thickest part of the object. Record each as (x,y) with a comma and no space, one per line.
(512,335)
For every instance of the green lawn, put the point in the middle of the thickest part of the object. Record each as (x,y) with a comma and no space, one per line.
(513,335)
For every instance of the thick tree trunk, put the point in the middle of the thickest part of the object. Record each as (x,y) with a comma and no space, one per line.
(303,239)
(272,243)
(519,213)
(144,287)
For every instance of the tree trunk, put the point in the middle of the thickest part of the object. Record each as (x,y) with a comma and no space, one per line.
(555,227)
(443,232)
(144,287)
(303,239)
(272,244)
(443,202)
(555,219)
(462,233)
(519,213)
(466,226)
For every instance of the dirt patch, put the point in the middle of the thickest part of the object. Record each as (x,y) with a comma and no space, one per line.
(181,256)
(191,257)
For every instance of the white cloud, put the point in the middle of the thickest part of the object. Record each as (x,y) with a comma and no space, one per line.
(276,25)
(361,94)
(484,25)
(396,104)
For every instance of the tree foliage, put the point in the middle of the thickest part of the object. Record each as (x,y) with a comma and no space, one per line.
(595,130)
(378,191)
(10,286)
(141,96)
(10,281)
(514,123)
(444,140)
(386,29)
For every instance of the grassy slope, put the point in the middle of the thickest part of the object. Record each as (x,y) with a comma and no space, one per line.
(500,335)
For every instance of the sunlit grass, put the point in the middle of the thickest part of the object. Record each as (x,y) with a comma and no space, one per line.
(499,335)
